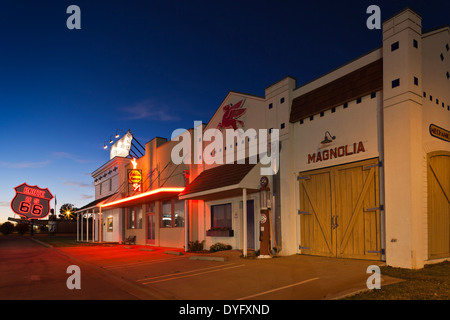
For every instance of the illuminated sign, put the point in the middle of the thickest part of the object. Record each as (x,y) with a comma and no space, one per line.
(31,202)
(439,133)
(337,152)
(135,176)
(122,147)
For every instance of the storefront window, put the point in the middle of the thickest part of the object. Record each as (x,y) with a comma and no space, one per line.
(135,218)
(172,214)
(221,216)
(178,208)
(166,214)
(131,218)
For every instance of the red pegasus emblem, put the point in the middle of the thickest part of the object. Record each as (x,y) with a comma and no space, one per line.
(231,115)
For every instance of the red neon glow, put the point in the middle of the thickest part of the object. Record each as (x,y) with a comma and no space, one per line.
(142,195)
(31,202)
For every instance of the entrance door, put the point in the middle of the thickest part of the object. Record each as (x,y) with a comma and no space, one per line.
(150,238)
(250,225)
(438,205)
(340,211)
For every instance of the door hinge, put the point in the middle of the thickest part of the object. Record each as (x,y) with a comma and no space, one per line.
(382,251)
(303,212)
(379,164)
(302,178)
(300,248)
(381,207)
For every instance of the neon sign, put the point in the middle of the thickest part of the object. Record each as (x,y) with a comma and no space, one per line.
(31,202)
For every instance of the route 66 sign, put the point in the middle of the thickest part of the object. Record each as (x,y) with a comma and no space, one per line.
(31,202)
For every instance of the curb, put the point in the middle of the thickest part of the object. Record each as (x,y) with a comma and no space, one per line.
(176,253)
(42,243)
(221,259)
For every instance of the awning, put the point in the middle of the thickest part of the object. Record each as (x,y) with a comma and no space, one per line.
(224,181)
(149,196)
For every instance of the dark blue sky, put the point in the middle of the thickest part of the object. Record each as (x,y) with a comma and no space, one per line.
(153,67)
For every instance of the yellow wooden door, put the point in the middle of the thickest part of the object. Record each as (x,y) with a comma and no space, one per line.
(340,211)
(315,213)
(438,204)
(357,210)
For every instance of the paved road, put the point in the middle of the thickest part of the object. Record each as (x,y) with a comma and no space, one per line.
(31,271)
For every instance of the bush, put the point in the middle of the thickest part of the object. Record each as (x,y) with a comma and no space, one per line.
(22,228)
(6,228)
(219,247)
(195,246)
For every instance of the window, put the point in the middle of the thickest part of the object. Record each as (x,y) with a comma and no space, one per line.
(333,110)
(110,184)
(447,47)
(416,81)
(172,214)
(358,100)
(322,114)
(270,105)
(442,57)
(283,125)
(134,218)
(282,100)
(395,83)
(178,209)
(394,46)
(415,43)
(448,75)
(345,105)
(373,95)
(221,216)
(166,214)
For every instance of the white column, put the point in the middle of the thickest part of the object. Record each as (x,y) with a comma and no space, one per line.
(93,225)
(82,222)
(186,226)
(87,227)
(100,225)
(244,210)
(78,227)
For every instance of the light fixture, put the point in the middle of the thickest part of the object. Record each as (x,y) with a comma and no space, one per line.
(264,193)
(110,140)
(326,140)
(117,133)
(105,146)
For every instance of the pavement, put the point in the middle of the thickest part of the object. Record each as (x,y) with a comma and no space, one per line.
(118,272)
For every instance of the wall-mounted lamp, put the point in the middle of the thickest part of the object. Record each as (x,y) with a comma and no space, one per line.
(326,140)
(264,193)
(117,133)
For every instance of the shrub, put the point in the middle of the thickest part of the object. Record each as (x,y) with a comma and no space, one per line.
(22,228)
(219,247)
(6,228)
(195,246)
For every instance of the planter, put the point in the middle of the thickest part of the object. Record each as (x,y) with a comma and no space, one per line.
(220,233)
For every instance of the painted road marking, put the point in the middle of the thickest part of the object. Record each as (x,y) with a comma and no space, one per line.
(194,275)
(181,273)
(142,263)
(278,289)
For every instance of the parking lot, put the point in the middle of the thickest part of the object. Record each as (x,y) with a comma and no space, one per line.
(172,274)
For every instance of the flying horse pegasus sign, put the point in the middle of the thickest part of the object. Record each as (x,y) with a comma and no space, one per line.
(231,116)
(229,130)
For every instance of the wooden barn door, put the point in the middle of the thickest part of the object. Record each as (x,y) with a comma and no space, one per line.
(340,211)
(438,204)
